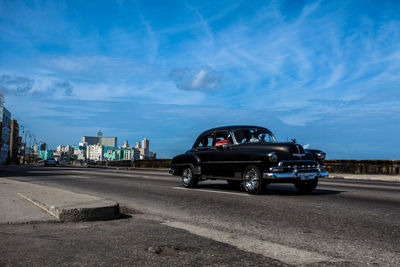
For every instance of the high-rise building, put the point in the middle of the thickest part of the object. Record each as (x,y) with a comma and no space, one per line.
(5,119)
(126,144)
(1,131)
(145,143)
(14,142)
(105,141)
(145,152)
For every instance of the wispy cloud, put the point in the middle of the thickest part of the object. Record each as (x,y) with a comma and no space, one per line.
(15,85)
(19,85)
(202,78)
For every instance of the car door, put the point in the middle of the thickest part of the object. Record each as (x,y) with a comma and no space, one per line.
(222,156)
(202,149)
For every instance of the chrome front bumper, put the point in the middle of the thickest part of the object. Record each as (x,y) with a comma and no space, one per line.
(295,175)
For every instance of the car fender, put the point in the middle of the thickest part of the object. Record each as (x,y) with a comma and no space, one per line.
(314,153)
(188,159)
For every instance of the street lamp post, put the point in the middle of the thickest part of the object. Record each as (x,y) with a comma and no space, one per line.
(20,150)
(34,143)
(26,144)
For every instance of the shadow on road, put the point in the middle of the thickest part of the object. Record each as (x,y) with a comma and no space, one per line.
(275,189)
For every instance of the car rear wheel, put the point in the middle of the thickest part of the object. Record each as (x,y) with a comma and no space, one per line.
(189,180)
(234,183)
(252,180)
(306,187)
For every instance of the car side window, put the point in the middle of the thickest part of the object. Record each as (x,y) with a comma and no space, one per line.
(206,140)
(223,135)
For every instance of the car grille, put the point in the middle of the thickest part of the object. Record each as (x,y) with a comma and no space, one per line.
(299,165)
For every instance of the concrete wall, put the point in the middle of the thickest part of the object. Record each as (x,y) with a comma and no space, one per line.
(158,163)
(388,167)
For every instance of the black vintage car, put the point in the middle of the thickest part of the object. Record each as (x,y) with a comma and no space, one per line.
(251,156)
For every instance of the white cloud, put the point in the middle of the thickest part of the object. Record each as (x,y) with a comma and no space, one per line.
(201,78)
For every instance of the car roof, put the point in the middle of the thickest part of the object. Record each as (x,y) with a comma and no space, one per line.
(229,128)
(234,127)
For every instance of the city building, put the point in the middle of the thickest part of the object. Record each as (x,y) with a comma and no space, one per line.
(65,149)
(95,152)
(126,144)
(100,152)
(45,154)
(39,147)
(1,130)
(145,146)
(130,153)
(65,152)
(99,139)
(15,142)
(92,148)
(112,153)
(137,144)
(145,152)
(80,152)
(5,119)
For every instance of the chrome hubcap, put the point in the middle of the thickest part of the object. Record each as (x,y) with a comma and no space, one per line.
(251,179)
(186,176)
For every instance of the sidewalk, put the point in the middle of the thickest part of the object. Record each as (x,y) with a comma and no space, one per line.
(15,209)
(22,202)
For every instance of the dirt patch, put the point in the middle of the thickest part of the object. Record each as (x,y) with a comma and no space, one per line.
(169,250)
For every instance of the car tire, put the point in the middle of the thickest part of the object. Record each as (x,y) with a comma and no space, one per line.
(234,183)
(189,180)
(306,187)
(253,182)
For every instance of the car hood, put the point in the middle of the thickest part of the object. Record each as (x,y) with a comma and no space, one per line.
(284,150)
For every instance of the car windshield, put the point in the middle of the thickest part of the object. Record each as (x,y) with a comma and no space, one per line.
(253,135)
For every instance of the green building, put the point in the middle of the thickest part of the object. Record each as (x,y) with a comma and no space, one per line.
(111,153)
(45,154)
(130,153)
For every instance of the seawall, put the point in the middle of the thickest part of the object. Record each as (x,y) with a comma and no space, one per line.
(352,166)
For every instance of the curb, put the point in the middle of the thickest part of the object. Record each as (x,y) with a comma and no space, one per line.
(73,214)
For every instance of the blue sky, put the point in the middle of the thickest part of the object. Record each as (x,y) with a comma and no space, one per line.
(324,72)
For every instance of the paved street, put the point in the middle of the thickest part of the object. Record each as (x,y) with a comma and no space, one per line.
(343,222)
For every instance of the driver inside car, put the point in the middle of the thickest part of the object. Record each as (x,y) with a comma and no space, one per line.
(223,141)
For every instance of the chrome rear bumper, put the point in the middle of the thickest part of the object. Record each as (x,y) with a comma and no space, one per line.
(295,175)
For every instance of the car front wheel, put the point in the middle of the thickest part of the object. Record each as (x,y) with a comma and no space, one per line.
(306,187)
(252,180)
(189,180)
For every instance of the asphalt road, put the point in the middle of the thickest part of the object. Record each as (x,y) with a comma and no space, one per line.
(343,221)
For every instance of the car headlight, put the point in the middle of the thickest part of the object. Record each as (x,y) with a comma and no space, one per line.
(273,157)
(321,155)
